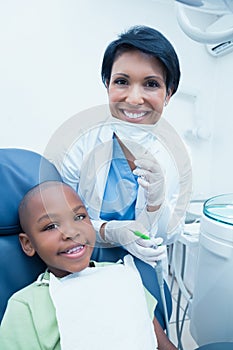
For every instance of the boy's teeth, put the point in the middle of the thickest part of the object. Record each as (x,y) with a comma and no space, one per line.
(70,251)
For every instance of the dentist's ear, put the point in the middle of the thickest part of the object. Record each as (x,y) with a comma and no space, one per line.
(168,96)
(107,84)
(26,244)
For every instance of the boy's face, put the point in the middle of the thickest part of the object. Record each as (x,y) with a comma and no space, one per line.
(58,228)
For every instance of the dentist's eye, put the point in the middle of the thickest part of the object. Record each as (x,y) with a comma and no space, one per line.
(152,84)
(120,81)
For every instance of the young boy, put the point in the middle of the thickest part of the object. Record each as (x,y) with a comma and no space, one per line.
(76,303)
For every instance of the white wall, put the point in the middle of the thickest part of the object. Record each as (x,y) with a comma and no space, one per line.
(51,52)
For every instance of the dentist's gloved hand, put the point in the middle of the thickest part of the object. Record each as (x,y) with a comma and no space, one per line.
(122,233)
(151,178)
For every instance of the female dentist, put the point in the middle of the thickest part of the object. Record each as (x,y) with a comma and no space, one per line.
(125,174)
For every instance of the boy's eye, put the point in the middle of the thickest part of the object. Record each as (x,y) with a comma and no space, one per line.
(79,217)
(51,227)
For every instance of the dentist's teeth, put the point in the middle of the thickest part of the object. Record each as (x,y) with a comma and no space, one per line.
(134,115)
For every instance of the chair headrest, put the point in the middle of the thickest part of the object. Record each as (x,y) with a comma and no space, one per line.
(20,170)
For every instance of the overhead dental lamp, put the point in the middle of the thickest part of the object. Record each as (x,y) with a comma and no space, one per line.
(215,27)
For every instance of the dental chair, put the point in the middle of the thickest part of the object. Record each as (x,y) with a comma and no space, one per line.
(20,170)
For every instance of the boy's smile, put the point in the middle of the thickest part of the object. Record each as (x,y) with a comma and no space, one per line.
(58,228)
(74,252)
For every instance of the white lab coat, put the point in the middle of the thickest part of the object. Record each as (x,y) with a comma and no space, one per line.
(85,166)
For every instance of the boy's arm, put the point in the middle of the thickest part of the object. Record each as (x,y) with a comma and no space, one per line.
(163,342)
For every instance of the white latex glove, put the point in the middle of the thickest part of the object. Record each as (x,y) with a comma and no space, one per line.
(122,233)
(151,178)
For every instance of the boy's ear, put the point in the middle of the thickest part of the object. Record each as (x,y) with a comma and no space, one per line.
(26,244)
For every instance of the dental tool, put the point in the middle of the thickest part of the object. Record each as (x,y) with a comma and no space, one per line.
(141,235)
(159,272)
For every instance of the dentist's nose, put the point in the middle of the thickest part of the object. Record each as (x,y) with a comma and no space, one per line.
(134,95)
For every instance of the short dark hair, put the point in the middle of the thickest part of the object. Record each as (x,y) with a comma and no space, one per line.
(149,41)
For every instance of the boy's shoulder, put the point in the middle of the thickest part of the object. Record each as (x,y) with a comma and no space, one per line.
(30,291)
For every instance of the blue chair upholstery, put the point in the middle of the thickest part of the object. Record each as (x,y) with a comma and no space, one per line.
(20,170)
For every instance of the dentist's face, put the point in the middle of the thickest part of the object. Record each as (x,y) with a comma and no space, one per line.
(137,90)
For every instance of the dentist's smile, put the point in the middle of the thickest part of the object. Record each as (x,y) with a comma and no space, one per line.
(134,115)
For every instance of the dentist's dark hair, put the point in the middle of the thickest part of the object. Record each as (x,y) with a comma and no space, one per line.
(149,41)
